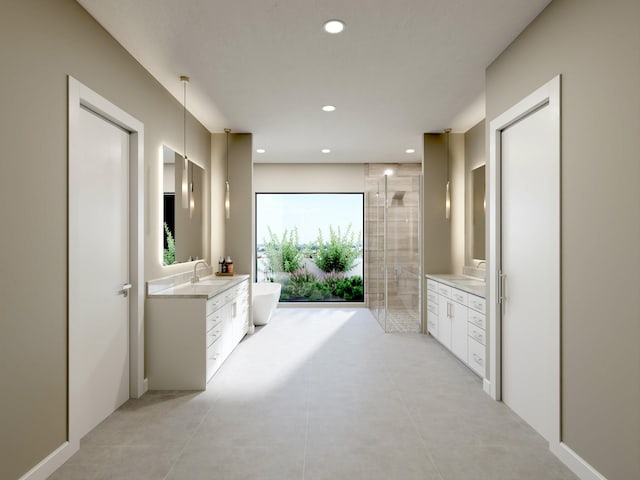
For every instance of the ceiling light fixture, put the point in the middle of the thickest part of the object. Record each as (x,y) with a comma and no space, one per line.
(333,26)
(227,193)
(328,108)
(410,150)
(260,150)
(326,150)
(185,161)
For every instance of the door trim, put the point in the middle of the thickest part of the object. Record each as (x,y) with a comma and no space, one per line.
(82,96)
(547,96)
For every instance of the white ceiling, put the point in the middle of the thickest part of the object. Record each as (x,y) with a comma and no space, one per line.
(400,68)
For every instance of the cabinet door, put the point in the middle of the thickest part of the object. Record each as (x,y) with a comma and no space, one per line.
(459,331)
(444,321)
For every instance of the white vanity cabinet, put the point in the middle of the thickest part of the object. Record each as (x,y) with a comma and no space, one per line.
(452,319)
(477,335)
(455,318)
(189,337)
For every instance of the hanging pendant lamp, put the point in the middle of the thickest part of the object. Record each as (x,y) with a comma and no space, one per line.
(227,194)
(185,160)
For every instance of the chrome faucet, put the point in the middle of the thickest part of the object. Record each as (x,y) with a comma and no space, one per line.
(196,278)
(480,263)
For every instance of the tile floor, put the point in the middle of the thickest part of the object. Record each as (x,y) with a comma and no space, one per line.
(320,394)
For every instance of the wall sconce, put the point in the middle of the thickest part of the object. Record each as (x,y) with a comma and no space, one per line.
(447,193)
(185,162)
(227,193)
(192,198)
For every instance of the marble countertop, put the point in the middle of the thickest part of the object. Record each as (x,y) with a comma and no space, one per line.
(472,285)
(207,287)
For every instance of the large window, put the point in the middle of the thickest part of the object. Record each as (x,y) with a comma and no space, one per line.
(311,243)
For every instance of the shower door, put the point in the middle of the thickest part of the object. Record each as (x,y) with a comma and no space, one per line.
(402,254)
(394,252)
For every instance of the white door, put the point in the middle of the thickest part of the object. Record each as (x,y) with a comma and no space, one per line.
(98,269)
(530,236)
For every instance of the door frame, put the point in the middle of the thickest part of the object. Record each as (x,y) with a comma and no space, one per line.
(80,96)
(548,95)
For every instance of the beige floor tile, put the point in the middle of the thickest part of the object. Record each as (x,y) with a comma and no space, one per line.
(321,394)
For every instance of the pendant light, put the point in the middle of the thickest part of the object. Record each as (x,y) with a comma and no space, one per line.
(227,194)
(447,193)
(185,160)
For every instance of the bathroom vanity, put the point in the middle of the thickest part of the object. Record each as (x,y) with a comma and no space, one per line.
(191,328)
(456,317)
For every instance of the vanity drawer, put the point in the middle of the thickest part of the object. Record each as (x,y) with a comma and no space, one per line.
(432,285)
(476,333)
(214,304)
(213,336)
(432,297)
(459,296)
(432,308)
(444,290)
(476,357)
(214,319)
(477,303)
(432,325)
(478,319)
(214,360)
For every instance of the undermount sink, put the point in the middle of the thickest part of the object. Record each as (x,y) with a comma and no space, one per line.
(212,281)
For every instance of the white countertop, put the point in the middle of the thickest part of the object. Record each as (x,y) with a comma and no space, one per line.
(472,285)
(207,287)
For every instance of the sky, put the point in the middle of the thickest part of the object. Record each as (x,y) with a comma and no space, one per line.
(308,211)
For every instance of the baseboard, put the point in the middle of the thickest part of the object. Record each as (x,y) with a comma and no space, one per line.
(145,385)
(575,462)
(486,386)
(52,462)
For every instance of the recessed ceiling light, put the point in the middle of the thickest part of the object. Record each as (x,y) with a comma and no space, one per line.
(410,150)
(326,150)
(260,150)
(333,26)
(328,108)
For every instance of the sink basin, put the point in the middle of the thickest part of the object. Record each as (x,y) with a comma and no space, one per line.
(213,281)
(207,285)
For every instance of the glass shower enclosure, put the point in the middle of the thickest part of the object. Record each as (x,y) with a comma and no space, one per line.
(394,247)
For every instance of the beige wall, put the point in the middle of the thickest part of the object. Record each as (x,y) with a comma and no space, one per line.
(239,227)
(308,177)
(457,176)
(436,254)
(595,46)
(41,42)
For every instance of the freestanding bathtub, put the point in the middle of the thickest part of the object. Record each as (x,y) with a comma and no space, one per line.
(265,301)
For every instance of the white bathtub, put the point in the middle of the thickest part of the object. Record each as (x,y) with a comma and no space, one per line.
(265,301)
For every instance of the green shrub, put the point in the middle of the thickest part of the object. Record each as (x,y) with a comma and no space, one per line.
(303,285)
(169,253)
(340,253)
(282,253)
(351,289)
(331,280)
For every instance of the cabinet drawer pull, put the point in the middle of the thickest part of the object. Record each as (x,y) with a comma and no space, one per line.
(478,359)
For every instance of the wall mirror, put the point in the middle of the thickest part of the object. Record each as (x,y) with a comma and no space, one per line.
(183,201)
(479,212)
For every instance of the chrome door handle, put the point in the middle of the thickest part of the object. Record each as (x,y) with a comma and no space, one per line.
(501,286)
(125,290)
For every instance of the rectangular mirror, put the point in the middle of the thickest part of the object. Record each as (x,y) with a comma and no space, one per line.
(479,212)
(183,197)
